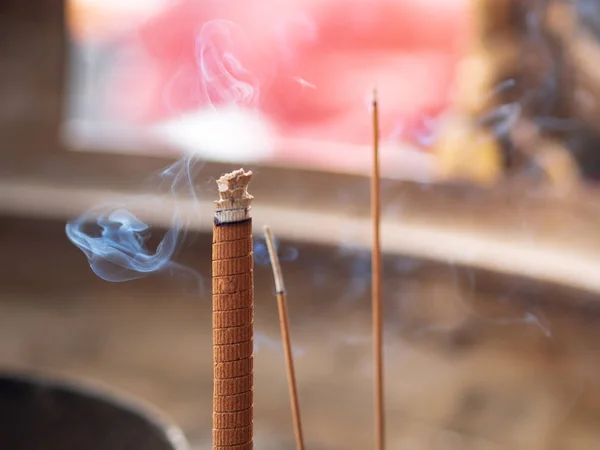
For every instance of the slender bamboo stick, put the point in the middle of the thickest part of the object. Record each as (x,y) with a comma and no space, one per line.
(285,335)
(376,286)
(233,315)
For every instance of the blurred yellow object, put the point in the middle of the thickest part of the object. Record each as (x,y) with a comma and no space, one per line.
(475,77)
(481,73)
(466,153)
(559,166)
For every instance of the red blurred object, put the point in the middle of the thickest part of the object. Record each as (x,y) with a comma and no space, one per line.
(309,65)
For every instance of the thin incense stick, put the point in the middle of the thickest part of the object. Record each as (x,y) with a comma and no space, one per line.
(233,315)
(285,334)
(376,286)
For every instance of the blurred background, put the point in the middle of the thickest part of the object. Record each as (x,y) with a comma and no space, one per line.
(489,123)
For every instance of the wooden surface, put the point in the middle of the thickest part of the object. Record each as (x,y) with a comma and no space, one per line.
(473,361)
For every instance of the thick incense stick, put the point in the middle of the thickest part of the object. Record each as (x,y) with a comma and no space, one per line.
(233,315)
(285,334)
(376,286)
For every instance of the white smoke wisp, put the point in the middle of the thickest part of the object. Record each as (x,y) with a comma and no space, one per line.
(224,78)
(227,126)
(116,241)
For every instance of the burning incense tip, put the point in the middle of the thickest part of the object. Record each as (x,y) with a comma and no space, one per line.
(277,272)
(374,95)
(233,315)
(234,200)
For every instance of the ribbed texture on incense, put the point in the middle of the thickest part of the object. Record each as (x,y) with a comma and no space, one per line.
(233,315)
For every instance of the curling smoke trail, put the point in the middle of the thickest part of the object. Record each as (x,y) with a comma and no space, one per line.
(115,240)
(118,252)
(224,79)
